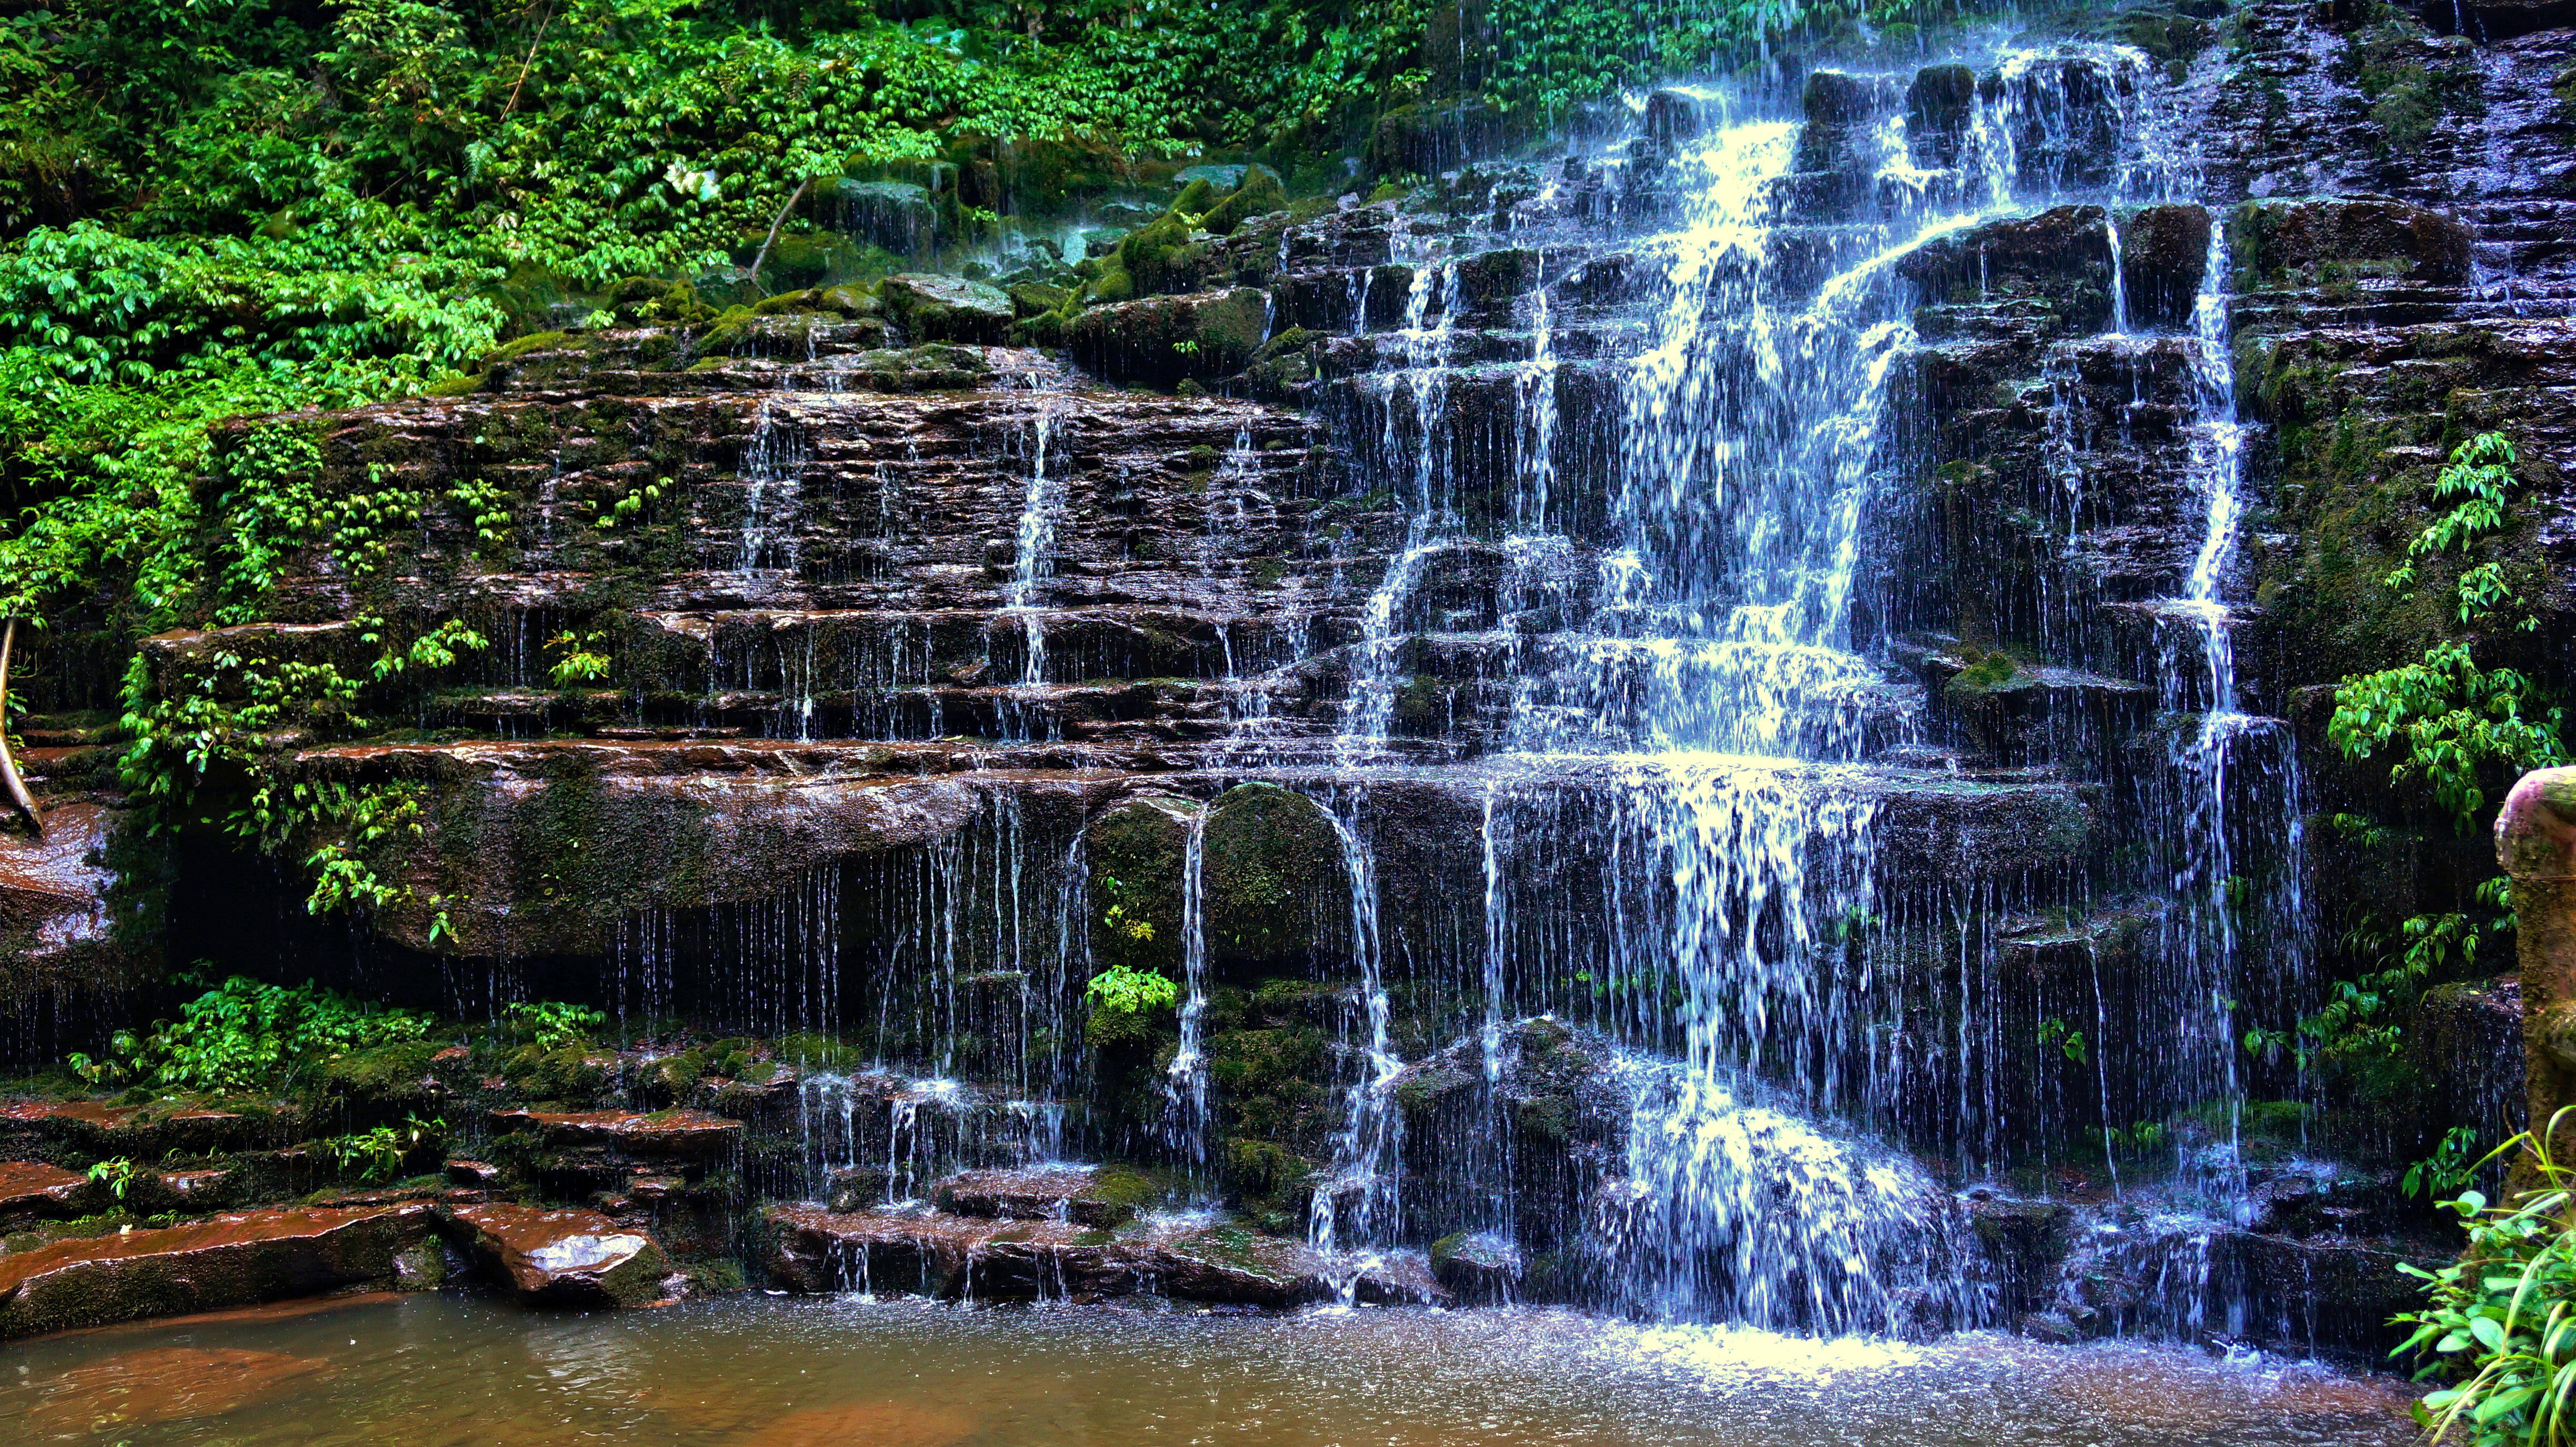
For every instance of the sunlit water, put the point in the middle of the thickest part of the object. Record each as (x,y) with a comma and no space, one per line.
(426,1371)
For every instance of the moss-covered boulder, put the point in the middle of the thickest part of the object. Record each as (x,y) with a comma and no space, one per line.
(1166,339)
(1259,195)
(947,308)
(1134,855)
(1278,891)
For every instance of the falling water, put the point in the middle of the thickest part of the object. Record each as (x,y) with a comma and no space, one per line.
(1185,1084)
(1034,559)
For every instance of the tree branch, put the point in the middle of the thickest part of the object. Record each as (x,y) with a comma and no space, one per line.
(762,259)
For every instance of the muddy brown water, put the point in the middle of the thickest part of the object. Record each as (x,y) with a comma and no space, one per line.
(450,1370)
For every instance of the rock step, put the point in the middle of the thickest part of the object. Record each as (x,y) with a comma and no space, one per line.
(1083,1195)
(670,1135)
(974,1258)
(229,1260)
(564,1257)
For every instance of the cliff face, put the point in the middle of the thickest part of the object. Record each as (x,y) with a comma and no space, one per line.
(1303,627)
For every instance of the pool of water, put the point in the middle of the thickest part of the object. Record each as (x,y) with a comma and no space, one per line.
(433,1370)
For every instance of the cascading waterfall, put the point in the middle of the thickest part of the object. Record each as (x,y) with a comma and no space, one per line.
(1360,1196)
(1185,1083)
(1033,558)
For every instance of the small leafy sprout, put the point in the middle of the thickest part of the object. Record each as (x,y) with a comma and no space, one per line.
(118,1174)
(581,658)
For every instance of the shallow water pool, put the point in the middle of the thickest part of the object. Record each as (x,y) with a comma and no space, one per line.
(433,1370)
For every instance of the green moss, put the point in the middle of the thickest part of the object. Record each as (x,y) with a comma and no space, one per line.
(1277,891)
(1259,195)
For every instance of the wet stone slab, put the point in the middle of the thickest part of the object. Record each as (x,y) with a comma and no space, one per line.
(229,1260)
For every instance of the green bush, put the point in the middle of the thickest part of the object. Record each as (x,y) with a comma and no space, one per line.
(245,1035)
(2500,1326)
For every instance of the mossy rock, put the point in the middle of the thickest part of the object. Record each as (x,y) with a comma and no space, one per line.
(1158,258)
(646,301)
(948,308)
(1036,298)
(574,1073)
(1134,855)
(1259,195)
(1278,893)
(1166,340)
(385,1082)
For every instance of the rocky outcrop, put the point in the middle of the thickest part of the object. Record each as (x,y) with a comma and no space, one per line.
(563,1257)
(934,1254)
(229,1260)
(33,1190)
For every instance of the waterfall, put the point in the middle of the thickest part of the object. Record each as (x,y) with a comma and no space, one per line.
(1360,1195)
(1033,557)
(773,467)
(1185,1083)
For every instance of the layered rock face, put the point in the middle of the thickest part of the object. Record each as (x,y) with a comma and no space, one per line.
(1587,673)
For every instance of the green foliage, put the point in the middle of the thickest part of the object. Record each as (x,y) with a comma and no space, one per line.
(378,1154)
(2500,1326)
(579,658)
(2457,724)
(245,1035)
(1125,990)
(2057,1034)
(118,1174)
(553,1024)
(2448,1168)
(2361,1016)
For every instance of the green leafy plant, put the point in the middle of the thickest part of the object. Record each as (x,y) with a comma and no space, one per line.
(378,1154)
(2451,1165)
(2066,1039)
(579,658)
(117,1174)
(2455,723)
(1125,990)
(246,1035)
(2361,1015)
(553,1024)
(2499,1326)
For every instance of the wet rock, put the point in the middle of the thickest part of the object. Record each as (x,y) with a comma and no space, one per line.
(1135,854)
(1085,1196)
(2066,117)
(1480,1267)
(96,1129)
(2163,252)
(1938,108)
(563,1257)
(2061,257)
(1672,117)
(1277,891)
(857,1188)
(54,920)
(2314,240)
(671,1135)
(948,1256)
(947,308)
(1164,339)
(30,1190)
(162,1384)
(2027,1240)
(896,215)
(230,1260)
